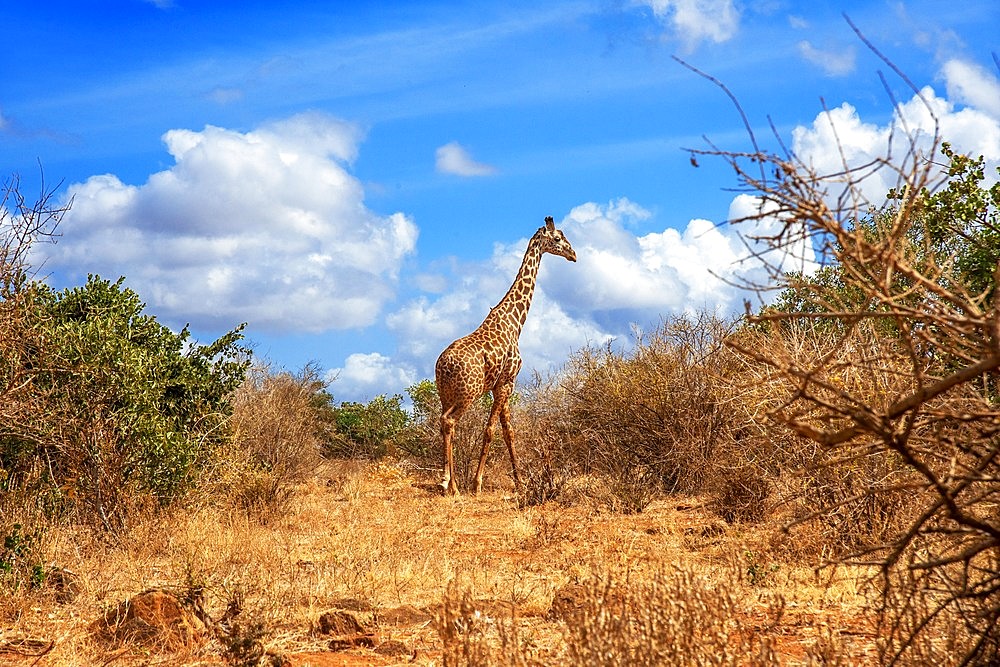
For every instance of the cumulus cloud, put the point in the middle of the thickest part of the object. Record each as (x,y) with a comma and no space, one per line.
(365,376)
(619,278)
(695,21)
(970,84)
(833,62)
(453,158)
(267,226)
(626,278)
(839,136)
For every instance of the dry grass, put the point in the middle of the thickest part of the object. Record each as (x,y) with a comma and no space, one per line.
(467,580)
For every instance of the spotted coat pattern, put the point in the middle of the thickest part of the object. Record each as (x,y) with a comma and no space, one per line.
(488,359)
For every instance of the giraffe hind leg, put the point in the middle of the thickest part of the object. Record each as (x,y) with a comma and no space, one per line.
(448,484)
(488,438)
(508,436)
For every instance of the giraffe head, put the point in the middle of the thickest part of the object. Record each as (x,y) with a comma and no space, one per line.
(554,241)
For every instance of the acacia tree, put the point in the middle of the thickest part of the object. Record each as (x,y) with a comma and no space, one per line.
(900,368)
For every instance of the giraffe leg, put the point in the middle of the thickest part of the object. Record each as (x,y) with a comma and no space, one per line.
(448,484)
(508,436)
(487,439)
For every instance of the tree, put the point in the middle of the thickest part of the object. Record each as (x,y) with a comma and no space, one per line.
(891,355)
(131,407)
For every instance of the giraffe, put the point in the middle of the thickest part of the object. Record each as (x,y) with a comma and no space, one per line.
(488,359)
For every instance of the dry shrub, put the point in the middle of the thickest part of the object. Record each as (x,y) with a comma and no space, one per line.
(542,429)
(920,627)
(473,638)
(673,618)
(902,396)
(666,415)
(742,497)
(23,224)
(277,435)
(858,496)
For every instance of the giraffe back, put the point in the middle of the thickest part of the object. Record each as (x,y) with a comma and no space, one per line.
(475,364)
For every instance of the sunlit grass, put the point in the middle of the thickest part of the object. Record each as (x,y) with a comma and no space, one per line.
(371,534)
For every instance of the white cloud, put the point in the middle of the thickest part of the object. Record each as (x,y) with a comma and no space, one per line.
(694,21)
(626,278)
(798,22)
(266,226)
(365,376)
(453,158)
(832,62)
(839,137)
(619,278)
(970,84)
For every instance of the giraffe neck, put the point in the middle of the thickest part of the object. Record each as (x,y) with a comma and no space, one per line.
(512,310)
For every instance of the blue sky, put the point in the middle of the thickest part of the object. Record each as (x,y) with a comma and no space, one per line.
(357,181)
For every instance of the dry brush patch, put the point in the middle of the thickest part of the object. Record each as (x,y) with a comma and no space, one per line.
(366,540)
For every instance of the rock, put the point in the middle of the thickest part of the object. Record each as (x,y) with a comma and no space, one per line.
(152,619)
(340,622)
(347,631)
(393,647)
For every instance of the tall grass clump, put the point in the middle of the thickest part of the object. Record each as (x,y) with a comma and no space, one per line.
(278,431)
(668,414)
(671,618)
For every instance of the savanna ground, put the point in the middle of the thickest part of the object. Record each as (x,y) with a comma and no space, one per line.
(465,580)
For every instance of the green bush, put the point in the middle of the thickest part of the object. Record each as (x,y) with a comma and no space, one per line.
(130,408)
(369,430)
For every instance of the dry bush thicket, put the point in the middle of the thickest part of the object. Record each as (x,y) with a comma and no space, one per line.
(276,438)
(903,389)
(668,415)
(22,225)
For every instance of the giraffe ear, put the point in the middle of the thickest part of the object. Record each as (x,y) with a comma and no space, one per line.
(550,223)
